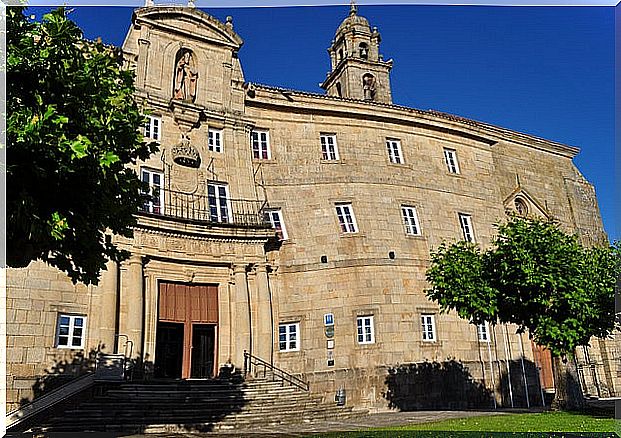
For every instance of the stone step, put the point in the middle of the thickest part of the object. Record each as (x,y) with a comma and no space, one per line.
(182,406)
(233,422)
(247,392)
(94,409)
(114,401)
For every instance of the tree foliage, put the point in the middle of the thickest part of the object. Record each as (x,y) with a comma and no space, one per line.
(533,275)
(73,127)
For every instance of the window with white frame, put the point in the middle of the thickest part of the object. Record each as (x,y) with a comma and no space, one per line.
(347,220)
(394,150)
(465,221)
(155,180)
(274,217)
(70,331)
(152,128)
(428,325)
(219,202)
(214,139)
(288,336)
(410,219)
(260,144)
(366,331)
(329,150)
(450,157)
(483,332)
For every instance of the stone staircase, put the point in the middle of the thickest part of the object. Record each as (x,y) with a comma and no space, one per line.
(194,406)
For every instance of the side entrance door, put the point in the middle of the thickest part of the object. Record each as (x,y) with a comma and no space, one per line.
(186,338)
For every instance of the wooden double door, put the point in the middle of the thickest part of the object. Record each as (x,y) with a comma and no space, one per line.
(187,331)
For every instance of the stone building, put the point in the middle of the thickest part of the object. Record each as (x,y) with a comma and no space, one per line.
(297,226)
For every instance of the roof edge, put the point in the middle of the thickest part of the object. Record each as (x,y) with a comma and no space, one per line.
(529,139)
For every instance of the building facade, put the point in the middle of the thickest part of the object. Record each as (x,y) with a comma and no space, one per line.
(297,226)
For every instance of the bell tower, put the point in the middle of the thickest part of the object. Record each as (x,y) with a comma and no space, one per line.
(358,70)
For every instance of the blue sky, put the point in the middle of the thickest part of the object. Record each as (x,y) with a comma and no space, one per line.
(546,71)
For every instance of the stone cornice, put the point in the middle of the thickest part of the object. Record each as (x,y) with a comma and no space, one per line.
(152,16)
(269,96)
(214,233)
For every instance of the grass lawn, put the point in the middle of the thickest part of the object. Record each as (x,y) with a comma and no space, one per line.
(540,422)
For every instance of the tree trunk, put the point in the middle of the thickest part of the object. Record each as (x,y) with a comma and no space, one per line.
(568,394)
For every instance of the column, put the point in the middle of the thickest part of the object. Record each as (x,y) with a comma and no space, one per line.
(130,322)
(263,336)
(107,289)
(241,321)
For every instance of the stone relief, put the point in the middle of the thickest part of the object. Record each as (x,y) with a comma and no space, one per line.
(186,77)
(185,154)
(368,86)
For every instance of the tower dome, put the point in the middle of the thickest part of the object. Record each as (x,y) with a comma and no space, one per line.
(353,22)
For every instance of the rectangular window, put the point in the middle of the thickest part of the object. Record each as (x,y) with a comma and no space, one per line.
(410,219)
(274,217)
(288,336)
(450,156)
(394,151)
(465,221)
(219,202)
(428,325)
(483,332)
(329,150)
(260,145)
(70,331)
(214,139)
(366,332)
(155,180)
(347,220)
(152,128)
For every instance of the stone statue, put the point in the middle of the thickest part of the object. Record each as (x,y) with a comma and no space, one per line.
(368,86)
(185,78)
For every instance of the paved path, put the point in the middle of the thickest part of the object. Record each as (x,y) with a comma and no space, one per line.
(384,419)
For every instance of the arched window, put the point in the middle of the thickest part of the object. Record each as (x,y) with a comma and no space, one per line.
(340,55)
(339,92)
(363,49)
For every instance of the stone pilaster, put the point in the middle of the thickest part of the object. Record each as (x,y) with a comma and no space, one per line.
(241,316)
(107,290)
(130,323)
(262,338)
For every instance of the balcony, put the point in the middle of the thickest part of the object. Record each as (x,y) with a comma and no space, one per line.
(215,209)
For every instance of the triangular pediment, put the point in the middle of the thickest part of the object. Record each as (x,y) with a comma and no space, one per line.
(520,202)
(190,23)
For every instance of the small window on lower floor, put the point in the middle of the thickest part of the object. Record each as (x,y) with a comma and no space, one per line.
(288,336)
(70,331)
(366,331)
(274,218)
(467,230)
(410,219)
(347,220)
(428,325)
(214,139)
(483,332)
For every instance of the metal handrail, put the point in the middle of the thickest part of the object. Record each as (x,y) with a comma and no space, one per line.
(251,361)
(218,209)
(49,399)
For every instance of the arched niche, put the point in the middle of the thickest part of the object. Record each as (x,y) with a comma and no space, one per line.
(185,76)
(368,86)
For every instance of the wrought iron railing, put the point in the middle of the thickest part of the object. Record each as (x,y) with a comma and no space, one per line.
(216,209)
(257,367)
